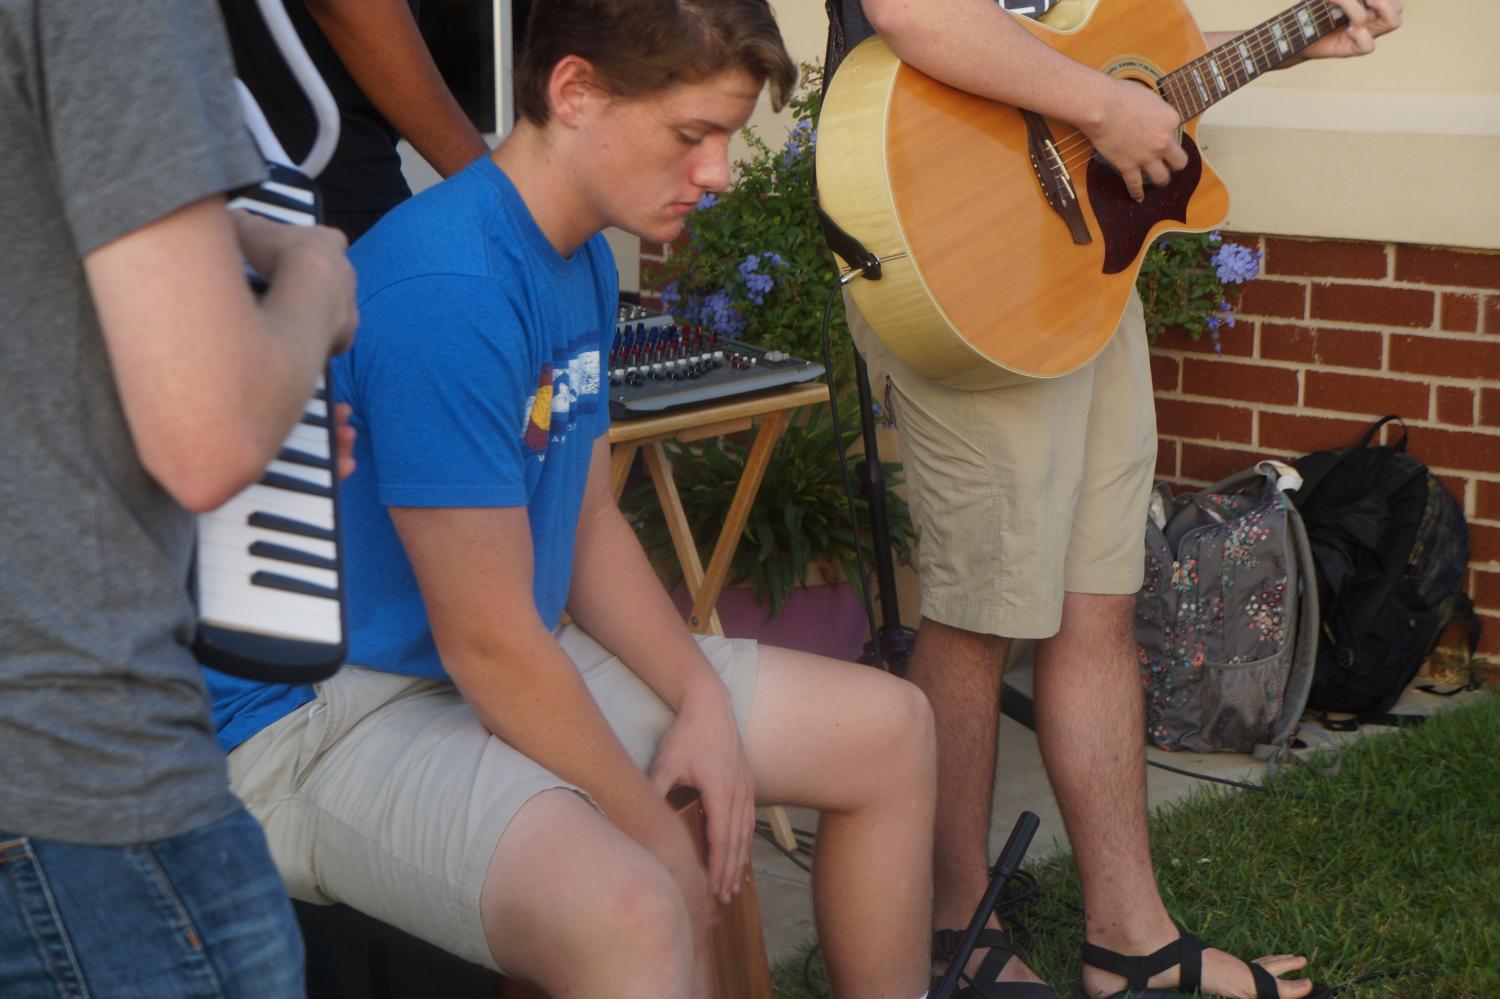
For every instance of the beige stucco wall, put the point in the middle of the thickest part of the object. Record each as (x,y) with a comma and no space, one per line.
(1402,146)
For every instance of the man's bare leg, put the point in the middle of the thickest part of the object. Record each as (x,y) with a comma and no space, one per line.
(961,672)
(572,903)
(1090,726)
(856,744)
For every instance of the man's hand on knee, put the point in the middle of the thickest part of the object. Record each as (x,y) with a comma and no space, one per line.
(702,750)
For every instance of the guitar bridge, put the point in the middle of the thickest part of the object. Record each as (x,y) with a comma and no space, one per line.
(1052,174)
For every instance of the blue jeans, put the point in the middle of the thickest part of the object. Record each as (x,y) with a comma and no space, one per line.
(201,914)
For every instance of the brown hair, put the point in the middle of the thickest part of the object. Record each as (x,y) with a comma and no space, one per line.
(640,46)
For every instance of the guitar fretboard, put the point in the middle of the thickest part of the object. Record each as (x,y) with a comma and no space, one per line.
(1221,71)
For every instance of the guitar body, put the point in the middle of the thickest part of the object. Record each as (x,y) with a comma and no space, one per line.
(983,283)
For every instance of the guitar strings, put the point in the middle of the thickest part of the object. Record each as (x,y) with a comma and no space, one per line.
(1179,93)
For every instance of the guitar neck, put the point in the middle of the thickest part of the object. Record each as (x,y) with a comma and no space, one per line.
(1221,71)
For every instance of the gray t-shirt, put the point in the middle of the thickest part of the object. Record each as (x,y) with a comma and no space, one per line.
(112,115)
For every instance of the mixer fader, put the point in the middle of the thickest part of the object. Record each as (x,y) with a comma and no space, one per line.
(657,364)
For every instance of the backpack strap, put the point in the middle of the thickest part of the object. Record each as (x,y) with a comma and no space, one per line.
(1311,481)
(1400,445)
(1277,757)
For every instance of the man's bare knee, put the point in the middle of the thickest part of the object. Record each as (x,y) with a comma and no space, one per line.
(571,902)
(946,657)
(914,721)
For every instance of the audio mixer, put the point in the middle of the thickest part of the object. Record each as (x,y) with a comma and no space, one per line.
(657,364)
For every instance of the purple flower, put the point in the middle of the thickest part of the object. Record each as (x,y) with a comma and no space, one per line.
(798,140)
(708,200)
(670,296)
(1226,317)
(1215,238)
(756,286)
(1235,264)
(720,314)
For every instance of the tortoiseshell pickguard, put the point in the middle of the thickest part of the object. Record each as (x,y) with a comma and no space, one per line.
(1124,223)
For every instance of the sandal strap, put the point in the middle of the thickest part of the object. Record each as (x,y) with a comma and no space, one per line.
(1185,952)
(1265,982)
(985,982)
(945,944)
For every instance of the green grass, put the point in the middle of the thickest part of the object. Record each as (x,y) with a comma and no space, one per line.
(1394,863)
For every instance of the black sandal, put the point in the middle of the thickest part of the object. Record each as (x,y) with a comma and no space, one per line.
(985,982)
(1187,952)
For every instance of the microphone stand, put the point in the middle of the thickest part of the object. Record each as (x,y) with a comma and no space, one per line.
(892,642)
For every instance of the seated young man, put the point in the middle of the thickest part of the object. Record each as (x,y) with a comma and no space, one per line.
(484,778)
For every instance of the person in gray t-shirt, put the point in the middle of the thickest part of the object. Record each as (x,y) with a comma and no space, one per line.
(142,382)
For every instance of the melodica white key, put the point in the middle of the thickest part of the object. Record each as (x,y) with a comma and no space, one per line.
(268,578)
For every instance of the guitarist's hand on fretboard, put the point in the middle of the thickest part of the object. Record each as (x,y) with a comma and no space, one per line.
(1368,20)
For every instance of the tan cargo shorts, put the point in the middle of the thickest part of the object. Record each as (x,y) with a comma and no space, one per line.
(1022,493)
(387,794)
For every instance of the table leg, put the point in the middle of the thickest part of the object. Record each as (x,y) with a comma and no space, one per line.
(620,458)
(682,537)
(706,597)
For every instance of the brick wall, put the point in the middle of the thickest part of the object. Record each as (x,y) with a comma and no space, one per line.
(652,255)
(1333,335)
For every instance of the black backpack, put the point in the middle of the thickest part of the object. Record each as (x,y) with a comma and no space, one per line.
(1391,547)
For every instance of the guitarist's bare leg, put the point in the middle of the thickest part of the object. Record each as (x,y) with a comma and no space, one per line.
(960,672)
(1089,725)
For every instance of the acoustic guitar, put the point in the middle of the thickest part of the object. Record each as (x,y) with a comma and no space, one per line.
(1008,246)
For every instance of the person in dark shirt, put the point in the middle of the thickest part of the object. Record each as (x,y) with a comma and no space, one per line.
(382,77)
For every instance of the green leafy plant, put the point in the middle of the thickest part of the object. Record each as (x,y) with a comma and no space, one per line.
(1193,281)
(752,263)
(799,517)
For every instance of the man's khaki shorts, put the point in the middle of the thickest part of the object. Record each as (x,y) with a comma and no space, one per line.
(387,794)
(1022,493)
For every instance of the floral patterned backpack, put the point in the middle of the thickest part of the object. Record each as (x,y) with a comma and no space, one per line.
(1227,619)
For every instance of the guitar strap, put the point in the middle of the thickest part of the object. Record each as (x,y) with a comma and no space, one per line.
(843,245)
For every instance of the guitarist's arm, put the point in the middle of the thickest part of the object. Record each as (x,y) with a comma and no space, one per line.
(976,46)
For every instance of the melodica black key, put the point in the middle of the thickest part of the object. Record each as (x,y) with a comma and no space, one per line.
(268,578)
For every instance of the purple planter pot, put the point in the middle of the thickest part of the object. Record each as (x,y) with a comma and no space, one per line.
(828,619)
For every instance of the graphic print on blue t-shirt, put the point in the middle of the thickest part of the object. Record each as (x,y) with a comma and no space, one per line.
(563,393)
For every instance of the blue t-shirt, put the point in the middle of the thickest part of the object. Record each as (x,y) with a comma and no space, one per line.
(475,382)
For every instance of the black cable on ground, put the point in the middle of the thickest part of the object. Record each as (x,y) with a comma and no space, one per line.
(765,833)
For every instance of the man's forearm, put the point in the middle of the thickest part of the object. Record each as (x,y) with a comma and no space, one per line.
(524,689)
(379,44)
(618,600)
(975,46)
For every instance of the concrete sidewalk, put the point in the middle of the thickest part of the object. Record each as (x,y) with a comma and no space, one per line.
(1021,784)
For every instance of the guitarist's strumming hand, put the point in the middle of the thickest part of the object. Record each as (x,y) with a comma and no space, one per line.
(1136,132)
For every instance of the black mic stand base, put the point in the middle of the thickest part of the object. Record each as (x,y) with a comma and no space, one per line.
(1008,863)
